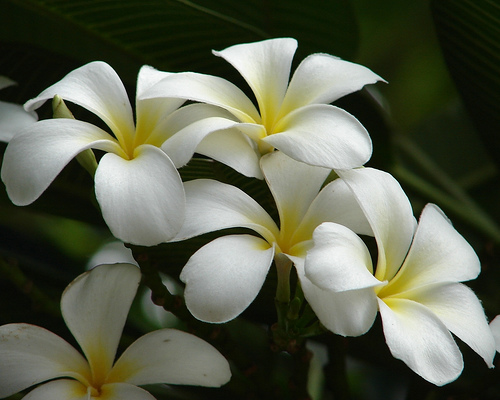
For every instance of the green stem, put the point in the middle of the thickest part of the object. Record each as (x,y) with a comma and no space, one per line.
(283,266)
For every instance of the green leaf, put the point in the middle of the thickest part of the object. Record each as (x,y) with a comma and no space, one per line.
(469,34)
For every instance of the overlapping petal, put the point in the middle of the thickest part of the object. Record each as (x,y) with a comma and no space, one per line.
(13,119)
(142,200)
(35,157)
(95,307)
(173,357)
(225,276)
(31,355)
(59,389)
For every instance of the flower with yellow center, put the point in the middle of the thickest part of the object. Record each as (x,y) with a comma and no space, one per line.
(293,115)
(95,307)
(415,285)
(224,276)
(137,184)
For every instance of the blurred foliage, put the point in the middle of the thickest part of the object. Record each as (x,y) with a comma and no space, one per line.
(435,126)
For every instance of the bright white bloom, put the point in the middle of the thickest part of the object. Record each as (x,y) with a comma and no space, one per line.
(13,117)
(293,115)
(95,307)
(137,183)
(415,285)
(224,277)
(495,328)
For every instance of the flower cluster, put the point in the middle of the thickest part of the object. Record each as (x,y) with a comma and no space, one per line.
(309,153)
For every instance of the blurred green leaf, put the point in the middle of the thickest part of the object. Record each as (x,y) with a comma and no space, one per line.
(469,34)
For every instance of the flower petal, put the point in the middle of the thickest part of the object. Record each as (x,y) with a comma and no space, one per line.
(124,391)
(265,66)
(212,205)
(389,213)
(294,186)
(96,87)
(322,78)
(13,119)
(31,355)
(57,390)
(350,313)
(339,260)
(438,254)
(417,337)
(95,307)
(460,310)
(495,329)
(225,276)
(35,157)
(322,135)
(173,357)
(6,82)
(142,200)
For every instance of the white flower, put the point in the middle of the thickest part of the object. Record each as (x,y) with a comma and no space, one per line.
(95,307)
(293,115)
(495,329)
(415,284)
(137,183)
(224,276)
(13,118)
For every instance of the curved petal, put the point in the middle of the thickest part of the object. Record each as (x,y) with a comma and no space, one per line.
(206,89)
(61,389)
(350,313)
(173,357)
(225,276)
(31,355)
(13,119)
(142,200)
(96,87)
(322,135)
(438,254)
(265,66)
(212,205)
(124,391)
(111,253)
(294,186)
(35,157)
(95,307)
(322,78)
(417,337)
(495,329)
(339,260)
(461,311)
(389,213)
(234,149)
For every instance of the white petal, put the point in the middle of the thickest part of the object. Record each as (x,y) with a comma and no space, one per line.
(96,87)
(61,389)
(350,313)
(212,205)
(417,337)
(173,357)
(495,329)
(438,254)
(294,186)
(31,355)
(322,78)
(460,310)
(266,67)
(124,391)
(225,276)
(207,89)
(6,82)
(322,135)
(13,119)
(142,200)
(35,157)
(339,260)
(389,213)
(111,253)
(147,78)
(95,307)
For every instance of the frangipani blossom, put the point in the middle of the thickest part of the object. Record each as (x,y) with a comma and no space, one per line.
(293,115)
(415,285)
(13,117)
(495,328)
(224,276)
(137,183)
(95,307)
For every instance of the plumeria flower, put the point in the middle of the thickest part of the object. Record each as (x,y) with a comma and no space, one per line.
(13,117)
(495,328)
(95,307)
(224,276)
(293,115)
(415,285)
(137,184)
